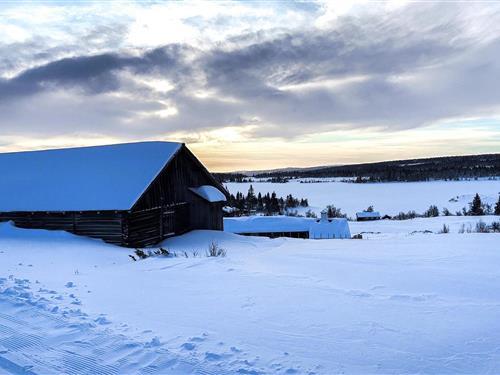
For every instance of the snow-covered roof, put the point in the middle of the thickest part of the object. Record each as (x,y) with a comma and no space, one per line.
(368,214)
(266,224)
(317,228)
(109,177)
(329,228)
(209,193)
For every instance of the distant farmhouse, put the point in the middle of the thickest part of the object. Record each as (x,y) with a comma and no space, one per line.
(367,215)
(132,195)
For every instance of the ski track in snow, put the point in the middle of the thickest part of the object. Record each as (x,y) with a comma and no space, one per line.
(36,338)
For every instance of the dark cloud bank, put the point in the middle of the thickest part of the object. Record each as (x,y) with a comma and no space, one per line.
(363,72)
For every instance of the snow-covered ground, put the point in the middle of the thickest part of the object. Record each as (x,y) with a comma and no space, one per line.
(388,198)
(402,300)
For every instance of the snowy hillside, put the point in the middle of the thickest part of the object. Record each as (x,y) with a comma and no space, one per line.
(401,301)
(388,198)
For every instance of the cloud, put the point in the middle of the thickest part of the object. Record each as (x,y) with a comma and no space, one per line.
(391,70)
(94,74)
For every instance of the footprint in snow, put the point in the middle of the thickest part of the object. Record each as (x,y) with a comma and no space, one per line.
(199,339)
(209,356)
(155,342)
(358,293)
(188,346)
(247,372)
(102,320)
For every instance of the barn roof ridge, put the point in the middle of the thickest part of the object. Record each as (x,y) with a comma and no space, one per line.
(88,147)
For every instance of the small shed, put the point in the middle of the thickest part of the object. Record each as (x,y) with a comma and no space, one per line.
(325,228)
(367,215)
(133,194)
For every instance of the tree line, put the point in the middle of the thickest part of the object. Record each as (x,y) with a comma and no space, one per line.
(440,168)
(267,204)
(475,208)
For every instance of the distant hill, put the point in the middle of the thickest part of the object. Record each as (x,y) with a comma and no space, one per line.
(439,168)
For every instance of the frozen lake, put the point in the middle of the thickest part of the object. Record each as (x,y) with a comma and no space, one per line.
(388,198)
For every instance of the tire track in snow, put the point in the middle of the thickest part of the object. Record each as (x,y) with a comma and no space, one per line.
(35,341)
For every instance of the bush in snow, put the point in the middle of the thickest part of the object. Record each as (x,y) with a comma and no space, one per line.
(141,254)
(334,211)
(464,229)
(446,212)
(432,211)
(445,229)
(214,250)
(405,216)
(497,207)
(162,251)
(311,214)
(495,226)
(481,227)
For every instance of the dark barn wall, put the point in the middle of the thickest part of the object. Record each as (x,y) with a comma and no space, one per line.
(301,234)
(205,215)
(367,218)
(148,227)
(106,225)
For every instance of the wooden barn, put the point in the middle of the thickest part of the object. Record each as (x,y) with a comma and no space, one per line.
(133,194)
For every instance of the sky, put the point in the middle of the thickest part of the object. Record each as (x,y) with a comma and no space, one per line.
(254,84)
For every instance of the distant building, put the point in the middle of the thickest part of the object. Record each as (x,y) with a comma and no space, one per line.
(367,215)
(325,228)
(286,226)
(133,194)
(268,226)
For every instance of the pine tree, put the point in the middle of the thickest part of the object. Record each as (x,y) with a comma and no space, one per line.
(251,200)
(497,207)
(274,204)
(476,206)
(260,203)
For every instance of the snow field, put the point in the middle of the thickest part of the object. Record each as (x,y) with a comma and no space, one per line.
(400,301)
